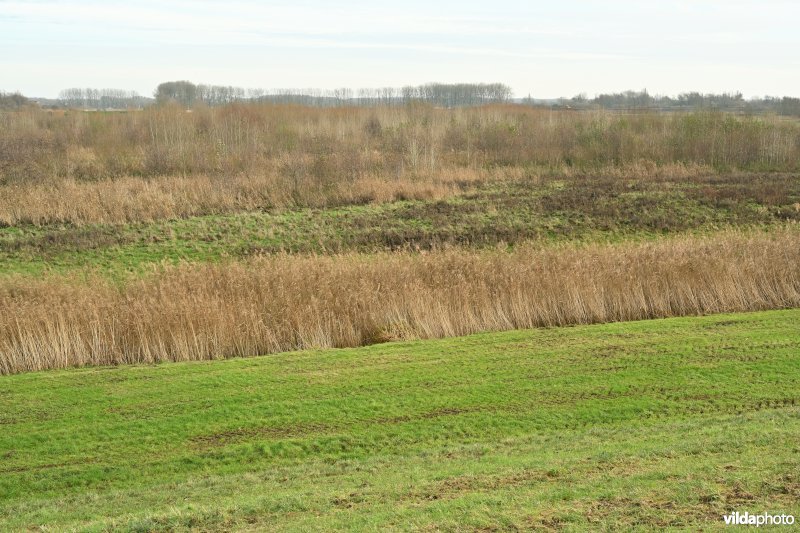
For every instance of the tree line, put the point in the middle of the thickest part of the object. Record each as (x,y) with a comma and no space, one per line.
(443,94)
(188,94)
(89,98)
(690,101)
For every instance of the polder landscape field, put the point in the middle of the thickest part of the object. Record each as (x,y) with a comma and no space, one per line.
(270,316)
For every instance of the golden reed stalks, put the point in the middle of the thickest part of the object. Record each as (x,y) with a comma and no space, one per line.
(279,303)
(131,199)
(135,199)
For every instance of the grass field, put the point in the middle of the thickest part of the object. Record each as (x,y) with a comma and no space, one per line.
(642,425)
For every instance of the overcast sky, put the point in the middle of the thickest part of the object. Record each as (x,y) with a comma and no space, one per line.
(547,49)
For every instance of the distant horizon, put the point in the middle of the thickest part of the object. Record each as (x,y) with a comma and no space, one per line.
(548,50)
(515,96)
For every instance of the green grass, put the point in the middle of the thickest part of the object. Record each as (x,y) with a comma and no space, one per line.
(573,209)
(642,425)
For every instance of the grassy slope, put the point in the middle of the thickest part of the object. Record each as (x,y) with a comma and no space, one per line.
(503,212)
(642,424)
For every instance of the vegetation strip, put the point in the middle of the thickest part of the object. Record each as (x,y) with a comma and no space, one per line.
(609,206)
(654,424)
(280,303)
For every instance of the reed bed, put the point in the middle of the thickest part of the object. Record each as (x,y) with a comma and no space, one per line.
(131,199)
(89,167)
(279,303)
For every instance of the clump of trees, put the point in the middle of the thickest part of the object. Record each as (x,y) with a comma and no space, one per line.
(183,92)
(788,106)
(14,101)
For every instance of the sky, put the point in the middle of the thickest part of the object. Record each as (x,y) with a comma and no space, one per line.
(545,49)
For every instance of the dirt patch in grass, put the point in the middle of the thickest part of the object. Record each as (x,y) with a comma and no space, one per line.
(648,512)
(349,501)
(436,413)
(47,466)
(456,486)
(231,436)
(786,486)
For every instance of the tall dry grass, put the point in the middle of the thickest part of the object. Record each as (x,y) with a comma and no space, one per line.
(248,155)
(283,303)
(127,200)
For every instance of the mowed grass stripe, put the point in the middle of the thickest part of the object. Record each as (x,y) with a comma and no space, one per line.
(641,424)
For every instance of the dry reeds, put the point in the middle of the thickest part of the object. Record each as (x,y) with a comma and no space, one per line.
(247,156)
(127,200)
(280,303)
